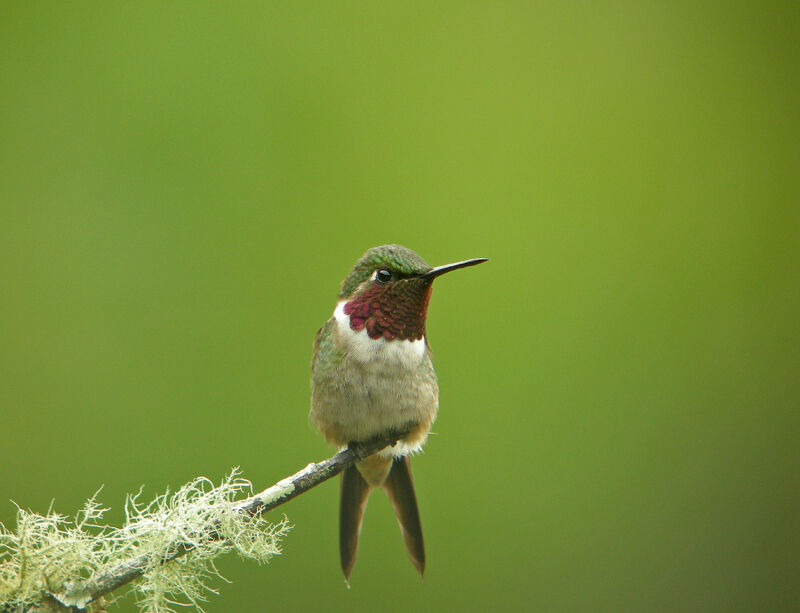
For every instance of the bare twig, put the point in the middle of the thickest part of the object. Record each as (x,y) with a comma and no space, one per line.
(78,598)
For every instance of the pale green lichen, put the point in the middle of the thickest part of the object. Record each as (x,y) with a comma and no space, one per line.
(49,554)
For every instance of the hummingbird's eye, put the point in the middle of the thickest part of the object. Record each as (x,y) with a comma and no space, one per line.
(383,275)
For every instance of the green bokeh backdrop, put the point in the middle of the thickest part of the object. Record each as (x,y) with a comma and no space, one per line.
(184,185)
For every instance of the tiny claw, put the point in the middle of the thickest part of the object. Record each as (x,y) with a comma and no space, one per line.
(358,449)
(397,434)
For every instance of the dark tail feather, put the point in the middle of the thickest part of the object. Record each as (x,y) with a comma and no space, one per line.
(400,488)
(353,501)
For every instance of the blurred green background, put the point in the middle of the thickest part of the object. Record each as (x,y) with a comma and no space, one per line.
(185,185)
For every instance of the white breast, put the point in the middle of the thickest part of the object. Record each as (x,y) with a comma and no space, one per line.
(378,386)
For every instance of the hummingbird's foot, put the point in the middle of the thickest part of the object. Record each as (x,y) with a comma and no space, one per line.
(394,435)
(358,449)
(397,433)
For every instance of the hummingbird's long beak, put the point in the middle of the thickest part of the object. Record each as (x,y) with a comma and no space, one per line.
(440,270)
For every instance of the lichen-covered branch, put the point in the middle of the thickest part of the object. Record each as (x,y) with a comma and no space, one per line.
(166,547)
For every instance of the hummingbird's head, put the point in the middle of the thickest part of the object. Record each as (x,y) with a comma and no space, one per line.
(388,290)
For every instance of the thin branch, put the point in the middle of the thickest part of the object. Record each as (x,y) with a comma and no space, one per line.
(77,598)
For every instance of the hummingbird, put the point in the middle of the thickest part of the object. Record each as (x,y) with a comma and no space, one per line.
(372,375)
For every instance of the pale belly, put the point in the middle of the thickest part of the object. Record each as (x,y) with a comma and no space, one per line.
(374,387)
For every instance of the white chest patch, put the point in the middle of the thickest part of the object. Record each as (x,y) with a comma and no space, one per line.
(362,348)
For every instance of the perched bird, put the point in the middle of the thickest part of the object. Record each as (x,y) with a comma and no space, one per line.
(372,375)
